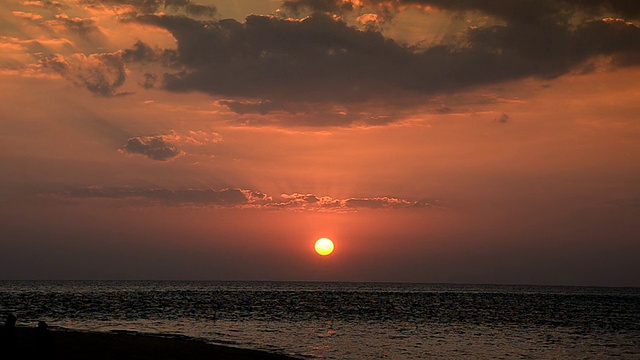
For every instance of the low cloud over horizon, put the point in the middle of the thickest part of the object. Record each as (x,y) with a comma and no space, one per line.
(233,198)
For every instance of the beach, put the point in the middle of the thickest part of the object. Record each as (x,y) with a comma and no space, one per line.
(28,342)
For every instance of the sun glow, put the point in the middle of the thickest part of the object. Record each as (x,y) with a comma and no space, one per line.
(324,246)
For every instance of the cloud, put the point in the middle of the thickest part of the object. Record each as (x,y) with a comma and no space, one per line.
(85,28)
(167,146)
(510,10)
(249,107)
(311,201)
(371,21)
(235,197)
(149,81)
(47,4)
(153,147)
(503,119)
(101,74)
(191,8)
(187,7)
(199,137)
(332,6)
(141,52)
(223,197)
(268,64)
(317,59)
(321,70)
(27,15)
(382,202)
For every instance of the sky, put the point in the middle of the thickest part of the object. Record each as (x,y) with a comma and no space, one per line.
(458,141)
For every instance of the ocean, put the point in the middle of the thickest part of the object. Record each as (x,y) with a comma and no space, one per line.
(315,320)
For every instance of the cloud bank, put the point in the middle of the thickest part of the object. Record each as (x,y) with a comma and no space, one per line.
(331,63)
(237,198)
(321,59)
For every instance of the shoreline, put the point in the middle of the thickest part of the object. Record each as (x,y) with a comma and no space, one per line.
(73,344)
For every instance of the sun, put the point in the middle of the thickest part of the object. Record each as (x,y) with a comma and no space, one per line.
(324,246)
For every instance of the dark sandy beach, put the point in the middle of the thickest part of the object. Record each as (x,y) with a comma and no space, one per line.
(25,342)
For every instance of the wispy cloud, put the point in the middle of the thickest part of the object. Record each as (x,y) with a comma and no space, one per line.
(510,10)
(101,74)
(184,7)
(48,4)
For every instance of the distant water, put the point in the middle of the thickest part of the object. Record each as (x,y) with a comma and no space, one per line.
(349,320)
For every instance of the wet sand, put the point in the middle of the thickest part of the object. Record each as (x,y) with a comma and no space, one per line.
(25,342)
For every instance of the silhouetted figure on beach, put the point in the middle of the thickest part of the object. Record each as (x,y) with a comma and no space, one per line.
(8,334)
(44,344)
(10,322)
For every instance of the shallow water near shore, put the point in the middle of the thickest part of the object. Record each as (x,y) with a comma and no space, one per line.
(348,320)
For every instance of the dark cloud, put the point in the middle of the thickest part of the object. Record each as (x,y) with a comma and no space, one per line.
(154,147)
(101,74)
(190,7)
(224,197)
(149,81)
(235,197)
(319,70)
(317,59)
(140,52)
(319,5)
(503,119)
(320,59)
(443,110)
(248,107)
(145,54)
(510,10)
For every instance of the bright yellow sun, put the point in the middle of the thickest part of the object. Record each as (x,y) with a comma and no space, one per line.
(324,246)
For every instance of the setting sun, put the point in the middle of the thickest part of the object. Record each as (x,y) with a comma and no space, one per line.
(324,246)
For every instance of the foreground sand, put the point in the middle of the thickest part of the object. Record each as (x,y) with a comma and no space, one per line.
(54,344)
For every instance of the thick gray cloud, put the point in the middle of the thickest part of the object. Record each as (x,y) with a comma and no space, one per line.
(509,10)
(322,60)
(318,59)
(319,70)
(235,197)
(154,147)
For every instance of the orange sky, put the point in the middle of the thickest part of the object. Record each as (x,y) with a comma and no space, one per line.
(433,141)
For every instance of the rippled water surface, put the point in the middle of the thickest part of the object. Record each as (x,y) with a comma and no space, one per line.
(350,320)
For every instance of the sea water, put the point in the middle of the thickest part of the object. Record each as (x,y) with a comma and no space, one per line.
(348,320)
